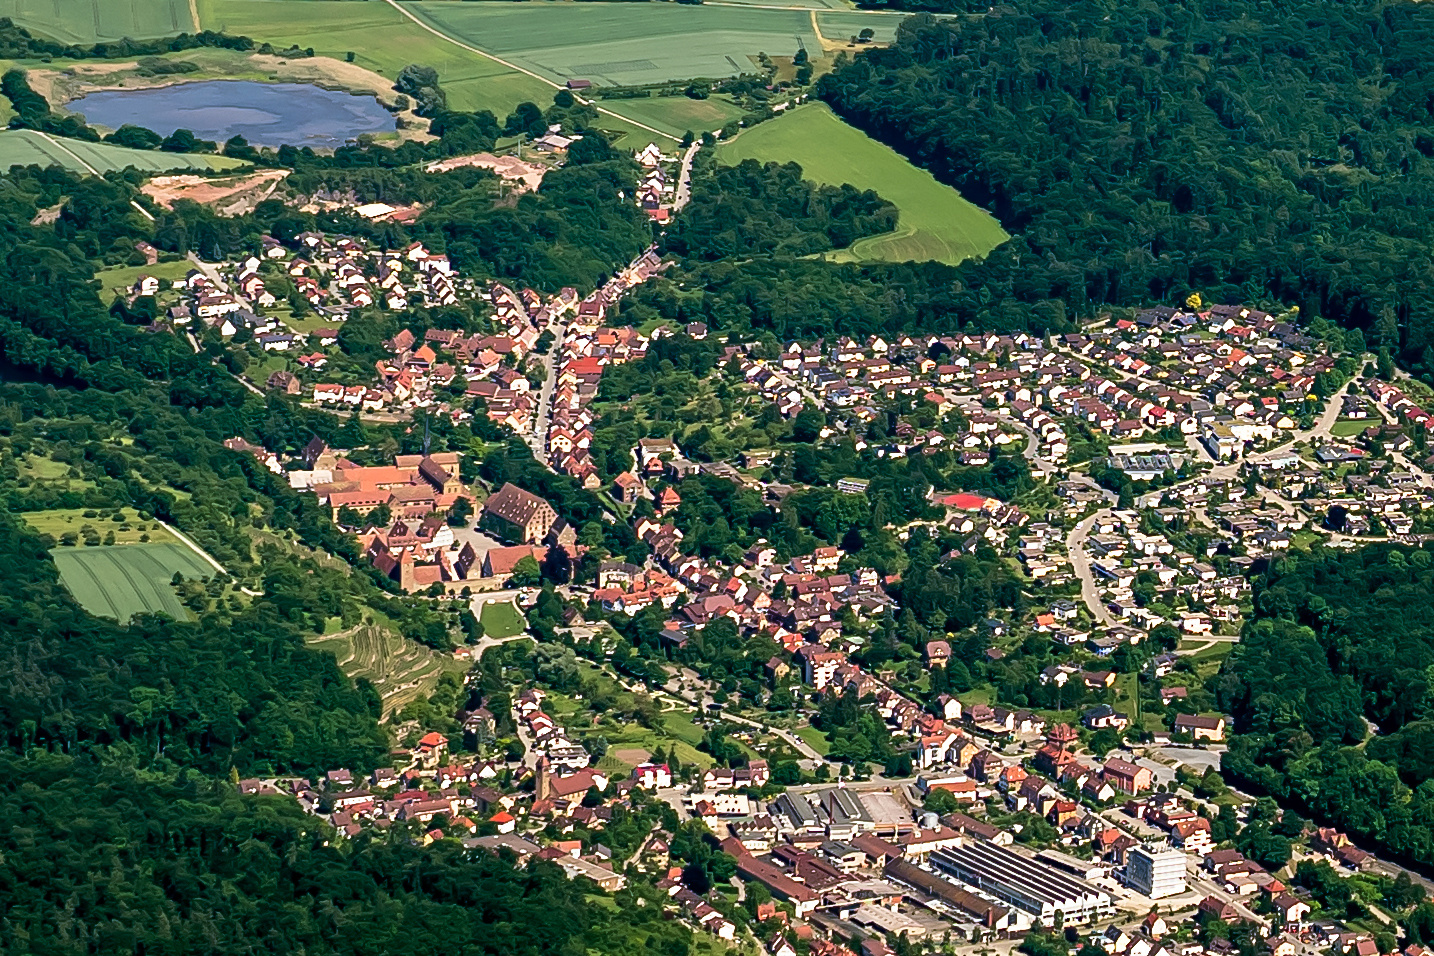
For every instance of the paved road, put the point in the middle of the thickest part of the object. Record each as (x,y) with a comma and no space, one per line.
(538,440)
(684,177)
(1080,563)
(212,274)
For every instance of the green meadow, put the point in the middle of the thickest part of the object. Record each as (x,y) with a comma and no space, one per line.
(936,223)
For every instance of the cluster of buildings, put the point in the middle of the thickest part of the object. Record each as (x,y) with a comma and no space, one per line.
(581,353)
(654,190)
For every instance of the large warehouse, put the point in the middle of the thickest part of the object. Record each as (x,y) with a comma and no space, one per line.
(1033,887)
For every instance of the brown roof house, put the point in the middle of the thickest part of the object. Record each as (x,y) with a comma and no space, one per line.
(517,515)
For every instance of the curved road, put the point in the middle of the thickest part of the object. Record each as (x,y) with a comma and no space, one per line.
(1075,541)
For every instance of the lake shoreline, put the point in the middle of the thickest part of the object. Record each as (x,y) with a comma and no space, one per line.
(264,114)
(62,85)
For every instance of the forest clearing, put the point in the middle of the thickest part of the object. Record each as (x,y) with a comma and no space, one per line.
(936,221)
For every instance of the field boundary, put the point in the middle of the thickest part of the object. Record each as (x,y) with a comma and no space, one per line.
(189,543)
(526,72)
(85,163)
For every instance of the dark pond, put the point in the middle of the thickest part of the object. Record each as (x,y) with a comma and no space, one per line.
(266,114)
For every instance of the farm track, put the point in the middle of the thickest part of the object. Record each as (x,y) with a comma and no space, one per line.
(529,73)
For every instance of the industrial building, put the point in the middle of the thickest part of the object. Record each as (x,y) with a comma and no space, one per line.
(943,895)
(836,814)
(1155,871)
(1029,885)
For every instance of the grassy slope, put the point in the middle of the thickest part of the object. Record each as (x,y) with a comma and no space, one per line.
(936,222)
(88,21)
(58,521)
(122,580)
(678,114)
(22,147)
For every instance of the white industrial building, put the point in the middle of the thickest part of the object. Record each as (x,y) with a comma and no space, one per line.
(1156,871)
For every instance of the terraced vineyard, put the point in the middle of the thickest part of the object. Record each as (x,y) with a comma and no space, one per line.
(401,670)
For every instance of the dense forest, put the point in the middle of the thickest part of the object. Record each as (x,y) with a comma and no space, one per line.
(101,858)
(755,209)
(1137,152)
(1330,692)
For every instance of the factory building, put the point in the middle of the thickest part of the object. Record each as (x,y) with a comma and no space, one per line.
(1036,888)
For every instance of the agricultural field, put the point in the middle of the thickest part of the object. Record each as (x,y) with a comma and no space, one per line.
(502,619)
(400,670)
(841,27)
(616,44)
(383,40)
(936,223)
(24,147)
(92,21)
(122,580)
(678,114)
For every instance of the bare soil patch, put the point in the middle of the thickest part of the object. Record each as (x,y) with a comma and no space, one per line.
(228,195)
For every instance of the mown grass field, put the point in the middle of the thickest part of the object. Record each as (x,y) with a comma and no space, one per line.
(24,147)
(401,670)
(621,44)
(503,619)
(123,580)
(91,21)
(936,222)
(124,277)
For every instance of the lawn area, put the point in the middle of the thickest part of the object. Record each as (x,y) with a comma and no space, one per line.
(936,222)
(89,21)
(682,727)
(401,670)
(120,581)
(130,530)
(123,277)
(1349,427)
(502,619)
(815,739)
(383,40)
(23,147)
(619,44)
